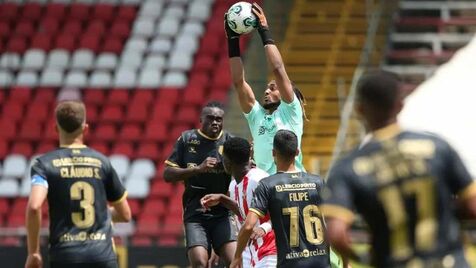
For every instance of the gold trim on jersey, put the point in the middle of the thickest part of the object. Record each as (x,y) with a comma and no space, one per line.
(124,196)
(257,212)
(335,211)
(170,163)
(468,191)
(73,146)
(387,132)
(210,138)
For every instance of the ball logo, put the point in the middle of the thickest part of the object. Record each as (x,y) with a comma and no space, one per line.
(232,24)
(237,9)
(249,22)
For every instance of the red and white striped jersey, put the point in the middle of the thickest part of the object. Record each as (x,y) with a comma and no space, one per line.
(242,193)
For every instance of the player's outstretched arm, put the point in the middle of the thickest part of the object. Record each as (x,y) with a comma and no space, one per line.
(174,173)
(274,57)
(246,96)
(211,200)
(243,237)
(33,223)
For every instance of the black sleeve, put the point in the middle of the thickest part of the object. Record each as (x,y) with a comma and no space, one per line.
(115,191)
(457,176)
(260,201)
(338,195)
(38,174)
(176,158)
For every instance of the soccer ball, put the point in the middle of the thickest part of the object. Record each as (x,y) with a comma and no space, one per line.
(240,18)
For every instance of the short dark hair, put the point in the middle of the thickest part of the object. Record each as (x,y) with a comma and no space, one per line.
(285,143)
(380,90)
(70,115)
(238,150)
(212,104)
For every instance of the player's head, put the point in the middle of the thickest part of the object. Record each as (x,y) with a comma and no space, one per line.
(71,118)
(236,153)
(285,146)
(272,97)
(211,119)
(379,99)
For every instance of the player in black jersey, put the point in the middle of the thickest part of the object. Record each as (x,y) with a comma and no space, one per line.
(292,198)
(78,183)
(197,161)
(403,184)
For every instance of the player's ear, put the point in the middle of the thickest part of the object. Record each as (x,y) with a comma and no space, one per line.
(274,153)
(297,151)
(85,128)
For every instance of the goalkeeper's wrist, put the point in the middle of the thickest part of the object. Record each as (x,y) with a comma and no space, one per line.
(233,47)
(266,37)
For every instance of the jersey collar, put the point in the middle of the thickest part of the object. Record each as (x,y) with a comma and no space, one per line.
(73,146)
(210,138)
(387,132)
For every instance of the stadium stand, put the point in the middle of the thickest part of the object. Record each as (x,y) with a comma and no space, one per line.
(143,68)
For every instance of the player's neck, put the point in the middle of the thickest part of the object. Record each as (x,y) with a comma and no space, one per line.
(241,172)
(66,141)
(286,167)
(375,126)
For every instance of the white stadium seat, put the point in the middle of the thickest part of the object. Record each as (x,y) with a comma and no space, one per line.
(168,27)
(58,58)
(151,9)
(120,163)
(6,78)
(51,77)
(193,28)
(199,11)
(160,45)
(125,78)
(180,61)
(76,79)
(14,166)
(143,27)
(106,61)
(8,187)
(10,61)
(136,44)
(186,44)
(174,79)
(27,78)
(25,187)
(82,59)
(100,79)
(68,94)
(174,11)
(137,188)
(155,61)
(149,78)
(130,60)
(34,59)
(142,168)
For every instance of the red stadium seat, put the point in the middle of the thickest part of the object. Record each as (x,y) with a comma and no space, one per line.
(94,96)
(163,112)
(194,94)
(154,206)
(113,45)
(4,206)
(100,147)
(79,11)
(155,131)
(45,95)
(218,95)
(188,114)
(91,113)
(3,147)
(55,11)
(66,41)
(112,113)
(20,94)
(89,41)
(8,11)
(4,30)
(31,11)
(172,227)
(177,131)
(41,41)
(23,148)
(120,29)
(143,96)
(161,189)
(148,150)
(48,25)
(12,111)
(130,132)
(168,241)
(135,207)
(124,148)
(37,112)
(118,96)
(72,27)
(11,241)
(105,132)
(96,28)
(209,45)
(15,221)
(16,44)
(147,225)
(103,12)
(204,63)
(19,207)
(45,147)
(50,133)
(137,113)
(141,241)
(30,131)
(168,94)
(126,13)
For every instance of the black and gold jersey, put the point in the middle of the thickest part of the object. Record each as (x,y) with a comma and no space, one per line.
(80,182)
(292,200)
(404,184)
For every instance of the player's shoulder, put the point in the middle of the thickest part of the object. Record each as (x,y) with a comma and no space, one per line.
(188,135)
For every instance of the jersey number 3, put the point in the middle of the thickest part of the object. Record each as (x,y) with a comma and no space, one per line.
(84,193)
(313,226)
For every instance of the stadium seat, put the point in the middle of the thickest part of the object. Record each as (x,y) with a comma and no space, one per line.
(148,150)
(68,94)
(130,60)
(4,206)
(51,77)
(143,27)
(124,148)
(82,59)
(193,28)
(154,206)
(16,221)
(154,61)
(126,13)
(104,12)
(76,79)
(14,166)
(168,27)
(100,147)
(135,206)
(22,148)
(143,96)
(151,9)
(10,61)
(79,11)
(125,78)
(41,41)
(66,42)
(186,44)
(149,78)
(45,147)
(174,11)
(106,61)
(105,132)
(55,10)
(21,94)
(168,241)
(137,188)
(48,26)
(141,240)
(174,79)
(31,11)
(118,96)
(72,27)
(34,59)
(155,132)
(161,189)
(6,78)
(112,114)
(113,45)
(3,148)
(142,167)
(180,61)
(25,187)
(58,59)
(130,132)
(30,130)
(93,96)
(160,45)
(8,11)
(137,113)
(45,95)
(9,187)
(136,44)
(24,29)
(199,10)
(27,78)
(100,79)
(90,42)
(120,163)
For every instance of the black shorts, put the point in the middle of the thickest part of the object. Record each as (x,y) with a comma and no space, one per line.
(106,264)
(211,233)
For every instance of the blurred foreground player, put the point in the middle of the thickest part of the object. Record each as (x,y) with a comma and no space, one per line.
(282,106)
(197,160)
(261,251)
(292,198)
(403,184)
(78,182)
